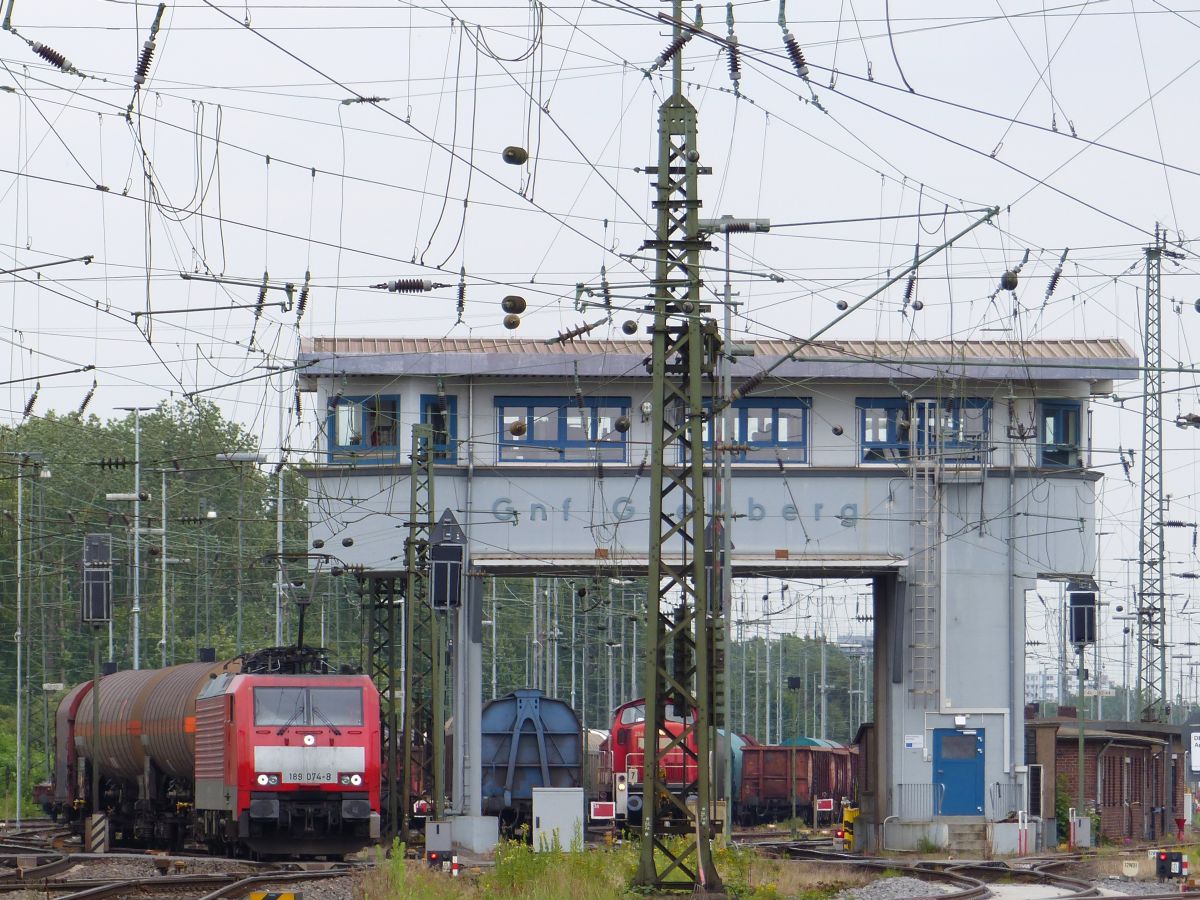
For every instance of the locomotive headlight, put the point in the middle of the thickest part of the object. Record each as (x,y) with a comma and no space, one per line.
(356,780)
(621,785)
(263,780)
(274,779)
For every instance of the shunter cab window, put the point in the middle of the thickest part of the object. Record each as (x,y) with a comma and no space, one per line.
(308,706)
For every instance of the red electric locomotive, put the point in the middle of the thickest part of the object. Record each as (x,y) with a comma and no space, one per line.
(240,761)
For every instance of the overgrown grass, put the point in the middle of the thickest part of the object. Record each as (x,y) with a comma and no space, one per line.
(520,873)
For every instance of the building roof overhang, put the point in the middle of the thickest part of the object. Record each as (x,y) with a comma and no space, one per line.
(1100,359)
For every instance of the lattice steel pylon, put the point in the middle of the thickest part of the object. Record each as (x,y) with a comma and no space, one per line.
(679,622)
(403,636)
(424,656)
(1151,597)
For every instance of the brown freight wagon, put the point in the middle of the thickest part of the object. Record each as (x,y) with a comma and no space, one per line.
(778,780)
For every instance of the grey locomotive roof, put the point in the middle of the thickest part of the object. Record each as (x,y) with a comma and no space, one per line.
(1043,360)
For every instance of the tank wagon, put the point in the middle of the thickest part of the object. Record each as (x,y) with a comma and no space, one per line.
(761,786)
(269,763)
(527,740)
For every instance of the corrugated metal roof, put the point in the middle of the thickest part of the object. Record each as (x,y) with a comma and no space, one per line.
(1069,349)
(1100,359)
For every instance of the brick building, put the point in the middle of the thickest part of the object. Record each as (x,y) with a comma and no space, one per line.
(1134,773)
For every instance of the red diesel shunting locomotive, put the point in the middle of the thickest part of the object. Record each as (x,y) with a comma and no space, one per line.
(270,763)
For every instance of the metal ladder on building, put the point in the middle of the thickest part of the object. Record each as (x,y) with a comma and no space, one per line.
(924,582)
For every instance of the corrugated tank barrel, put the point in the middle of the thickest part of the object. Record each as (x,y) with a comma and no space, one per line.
(145,713)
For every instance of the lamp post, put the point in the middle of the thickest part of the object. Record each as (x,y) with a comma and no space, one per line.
(239,457)
(1125,661)
(23,460)
(136,498)
(723,488)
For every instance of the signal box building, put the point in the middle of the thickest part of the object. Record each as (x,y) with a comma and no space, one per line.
(954,475)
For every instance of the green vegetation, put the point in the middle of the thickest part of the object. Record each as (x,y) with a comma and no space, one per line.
(56,513)
(927,845)
(594,874)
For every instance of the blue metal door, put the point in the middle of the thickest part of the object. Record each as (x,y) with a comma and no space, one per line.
(958,768)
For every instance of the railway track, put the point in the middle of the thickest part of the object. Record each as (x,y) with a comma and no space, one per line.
(967,880)
(203,886)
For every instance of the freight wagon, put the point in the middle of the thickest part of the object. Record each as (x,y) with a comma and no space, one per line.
(527,740)
(764,777)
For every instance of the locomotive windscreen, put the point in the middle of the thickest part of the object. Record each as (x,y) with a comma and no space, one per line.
(308,706)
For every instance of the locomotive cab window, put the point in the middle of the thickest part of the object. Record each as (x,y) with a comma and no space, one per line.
(321,707)
(633,714)
(335,706)
(279,706)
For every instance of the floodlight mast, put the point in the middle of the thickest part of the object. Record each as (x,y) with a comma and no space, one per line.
(685,348)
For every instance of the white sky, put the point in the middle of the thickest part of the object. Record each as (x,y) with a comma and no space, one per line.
(990,122)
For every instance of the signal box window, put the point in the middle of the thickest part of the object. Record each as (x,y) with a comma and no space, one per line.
(1060,434)
(884,429)
(891,429)
(557,429)
(364,426)
(771,429)
(442,414)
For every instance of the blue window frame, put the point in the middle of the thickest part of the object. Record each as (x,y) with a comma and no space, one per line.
(442,413)
(772,429)
(364,428)
(558,429)
(1061,433)
(960,428)
(884,428)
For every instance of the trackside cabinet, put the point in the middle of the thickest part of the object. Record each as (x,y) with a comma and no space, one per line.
(557,817)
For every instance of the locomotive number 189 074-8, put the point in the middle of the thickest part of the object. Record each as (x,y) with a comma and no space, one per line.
(309,777)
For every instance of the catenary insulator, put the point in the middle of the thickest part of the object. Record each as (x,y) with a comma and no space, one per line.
(52,56)
(669,53)
(143,63)
(405,285)
(32,400)
(795,54)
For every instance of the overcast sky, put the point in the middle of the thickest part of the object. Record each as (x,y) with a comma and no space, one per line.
(1010,104)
